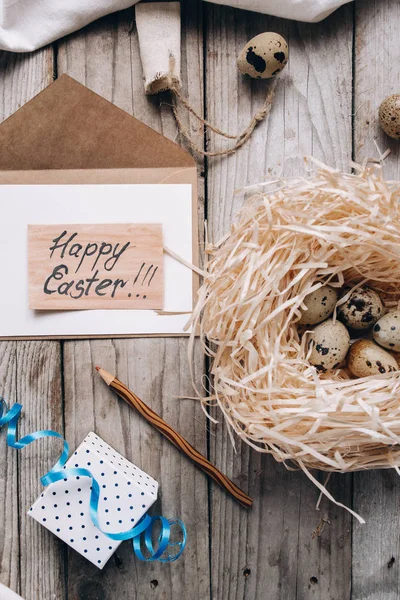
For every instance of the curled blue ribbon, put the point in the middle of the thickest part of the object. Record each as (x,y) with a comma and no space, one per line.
(141,533)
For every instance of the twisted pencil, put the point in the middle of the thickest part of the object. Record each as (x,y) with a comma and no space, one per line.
(175,438)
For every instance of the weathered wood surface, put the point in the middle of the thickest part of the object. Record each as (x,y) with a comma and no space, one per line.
(153,368)
(9,528)
(31,561)
(376,546)
(105,57)
(38,369)
(339,71)
(270,552)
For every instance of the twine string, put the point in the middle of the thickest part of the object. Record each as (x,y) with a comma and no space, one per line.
(241,139)
(174,89)
(170,83)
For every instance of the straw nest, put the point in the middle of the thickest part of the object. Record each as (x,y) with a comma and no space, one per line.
(331,228)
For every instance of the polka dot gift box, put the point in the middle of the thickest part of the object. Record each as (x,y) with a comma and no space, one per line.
(126,494)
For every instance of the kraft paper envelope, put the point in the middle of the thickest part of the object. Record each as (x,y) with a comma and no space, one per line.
(68,134)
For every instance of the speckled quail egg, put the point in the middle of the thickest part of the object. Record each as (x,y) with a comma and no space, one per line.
(386,331)
(330,343)
(366,358)
(362,309)
(320,305)
(389,116)
(263,56)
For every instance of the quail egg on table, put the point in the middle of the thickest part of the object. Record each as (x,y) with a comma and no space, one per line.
(263,56)
(386,331)
(362,309)
(389,116)
(367,358)
(319,304)
(330,343)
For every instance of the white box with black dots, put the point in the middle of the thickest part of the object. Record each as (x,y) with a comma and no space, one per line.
(126,494)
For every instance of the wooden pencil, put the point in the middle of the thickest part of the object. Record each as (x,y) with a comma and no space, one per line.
(174,437)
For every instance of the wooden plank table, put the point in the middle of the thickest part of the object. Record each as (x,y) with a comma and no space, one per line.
(326,105)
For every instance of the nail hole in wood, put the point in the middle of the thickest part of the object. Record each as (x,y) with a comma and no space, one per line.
(117,561)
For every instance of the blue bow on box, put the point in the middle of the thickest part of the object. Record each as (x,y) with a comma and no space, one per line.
(65,477)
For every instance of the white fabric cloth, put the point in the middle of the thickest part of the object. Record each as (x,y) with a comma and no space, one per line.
(310,11)
(7,594)
(159,30)
(26,25)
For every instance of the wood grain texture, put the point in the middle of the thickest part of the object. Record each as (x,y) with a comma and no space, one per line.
(105,57)
(311,114)
(9,526)
(39,391)
(271,553)
(155,369)
(22,76)
(376,77)
(376,545)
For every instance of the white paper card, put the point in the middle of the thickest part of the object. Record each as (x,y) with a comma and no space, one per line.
(23,205)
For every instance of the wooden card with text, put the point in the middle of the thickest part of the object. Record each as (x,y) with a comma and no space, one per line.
(79,267)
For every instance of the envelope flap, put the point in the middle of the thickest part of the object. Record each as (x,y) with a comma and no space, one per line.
(67,126)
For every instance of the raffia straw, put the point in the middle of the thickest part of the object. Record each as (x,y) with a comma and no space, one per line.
(241,139)
(330,227)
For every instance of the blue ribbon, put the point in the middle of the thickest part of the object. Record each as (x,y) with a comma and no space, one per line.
(141,533)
